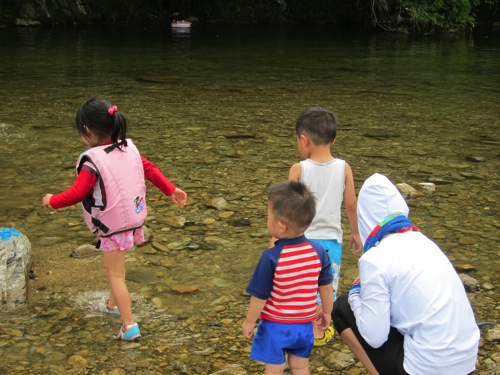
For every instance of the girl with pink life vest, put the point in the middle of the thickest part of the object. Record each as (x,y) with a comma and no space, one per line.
(110,185)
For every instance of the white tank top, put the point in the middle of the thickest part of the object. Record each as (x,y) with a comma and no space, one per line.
(327,183)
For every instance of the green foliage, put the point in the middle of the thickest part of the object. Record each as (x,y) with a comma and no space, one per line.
(9,9)
(486,11)
(312,11)
(418,16)
(422,15)
(126,11)
(248,11)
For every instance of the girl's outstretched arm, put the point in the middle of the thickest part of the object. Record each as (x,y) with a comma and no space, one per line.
(158,179)
(179,197)
(46,200)
(75,194)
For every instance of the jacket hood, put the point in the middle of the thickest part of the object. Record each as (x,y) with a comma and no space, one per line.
(377,200)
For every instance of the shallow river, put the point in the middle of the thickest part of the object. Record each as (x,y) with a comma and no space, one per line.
(215,110)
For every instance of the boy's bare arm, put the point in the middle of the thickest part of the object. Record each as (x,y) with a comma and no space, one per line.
(253,313)
(295,172)
(350,207)
(326,294)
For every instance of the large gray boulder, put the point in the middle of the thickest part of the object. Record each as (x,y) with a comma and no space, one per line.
(15,265)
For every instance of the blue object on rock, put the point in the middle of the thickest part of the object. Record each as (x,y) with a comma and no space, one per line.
(8,233)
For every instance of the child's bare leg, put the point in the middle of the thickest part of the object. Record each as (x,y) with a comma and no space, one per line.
(114,262)
(298,365)
(274,369)
(353,343)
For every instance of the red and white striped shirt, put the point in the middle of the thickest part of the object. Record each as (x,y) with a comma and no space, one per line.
(287,277)
(295,285)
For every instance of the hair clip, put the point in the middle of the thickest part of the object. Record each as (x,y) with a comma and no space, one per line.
(112,110)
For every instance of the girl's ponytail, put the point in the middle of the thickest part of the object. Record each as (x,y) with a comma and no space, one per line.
(119,133)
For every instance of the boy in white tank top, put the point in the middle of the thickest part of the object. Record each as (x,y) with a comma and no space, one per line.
(332,183)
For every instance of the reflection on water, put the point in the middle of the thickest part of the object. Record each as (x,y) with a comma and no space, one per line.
(215,109)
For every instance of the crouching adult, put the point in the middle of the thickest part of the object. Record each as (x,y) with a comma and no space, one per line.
(407,312)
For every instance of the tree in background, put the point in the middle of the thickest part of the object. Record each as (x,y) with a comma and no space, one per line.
(416,16)
(425,16)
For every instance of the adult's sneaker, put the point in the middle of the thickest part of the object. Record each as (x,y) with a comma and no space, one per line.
(128,333)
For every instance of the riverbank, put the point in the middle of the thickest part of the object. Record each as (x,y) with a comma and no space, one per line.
(68,338)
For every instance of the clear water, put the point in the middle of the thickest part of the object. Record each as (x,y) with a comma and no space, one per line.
(215,110)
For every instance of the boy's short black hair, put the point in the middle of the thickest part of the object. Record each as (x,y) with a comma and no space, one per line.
(293,203)
(319,124)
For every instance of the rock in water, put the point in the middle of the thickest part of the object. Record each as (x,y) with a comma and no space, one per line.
(218,203)
(15,265)
(85,251)
(406,190)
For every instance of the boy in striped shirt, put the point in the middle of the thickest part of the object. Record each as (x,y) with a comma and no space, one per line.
(285,283)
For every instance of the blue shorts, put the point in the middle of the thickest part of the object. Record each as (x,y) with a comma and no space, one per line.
(273,340)
(334,250)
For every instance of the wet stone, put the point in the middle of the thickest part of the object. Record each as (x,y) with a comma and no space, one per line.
(141,276)
(85,251)
(218,203)
(184,288)
(406,190)
(381,135)
(339,360)
(464,267)
(476,159)
(470,283)
(473,176)
(440,181)
(160,247)
(226,214)
(427,186)
(77,361)
(243,222)
(467,241)
(215,240)
(488,286)
(198,246)
(174,221)
(54,357)
(493,335)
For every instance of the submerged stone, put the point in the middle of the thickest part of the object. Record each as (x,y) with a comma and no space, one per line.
(218,203)
(476,159)
(173,221)
(464,267)
(184,288)
(470,283)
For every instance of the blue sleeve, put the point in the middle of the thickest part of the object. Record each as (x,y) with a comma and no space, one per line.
(261,283)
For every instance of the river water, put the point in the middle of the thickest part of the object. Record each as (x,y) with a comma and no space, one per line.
(215,109)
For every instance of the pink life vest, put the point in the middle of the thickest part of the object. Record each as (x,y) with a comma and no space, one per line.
(117,202)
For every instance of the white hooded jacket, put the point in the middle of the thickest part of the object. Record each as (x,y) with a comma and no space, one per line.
(407,282)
